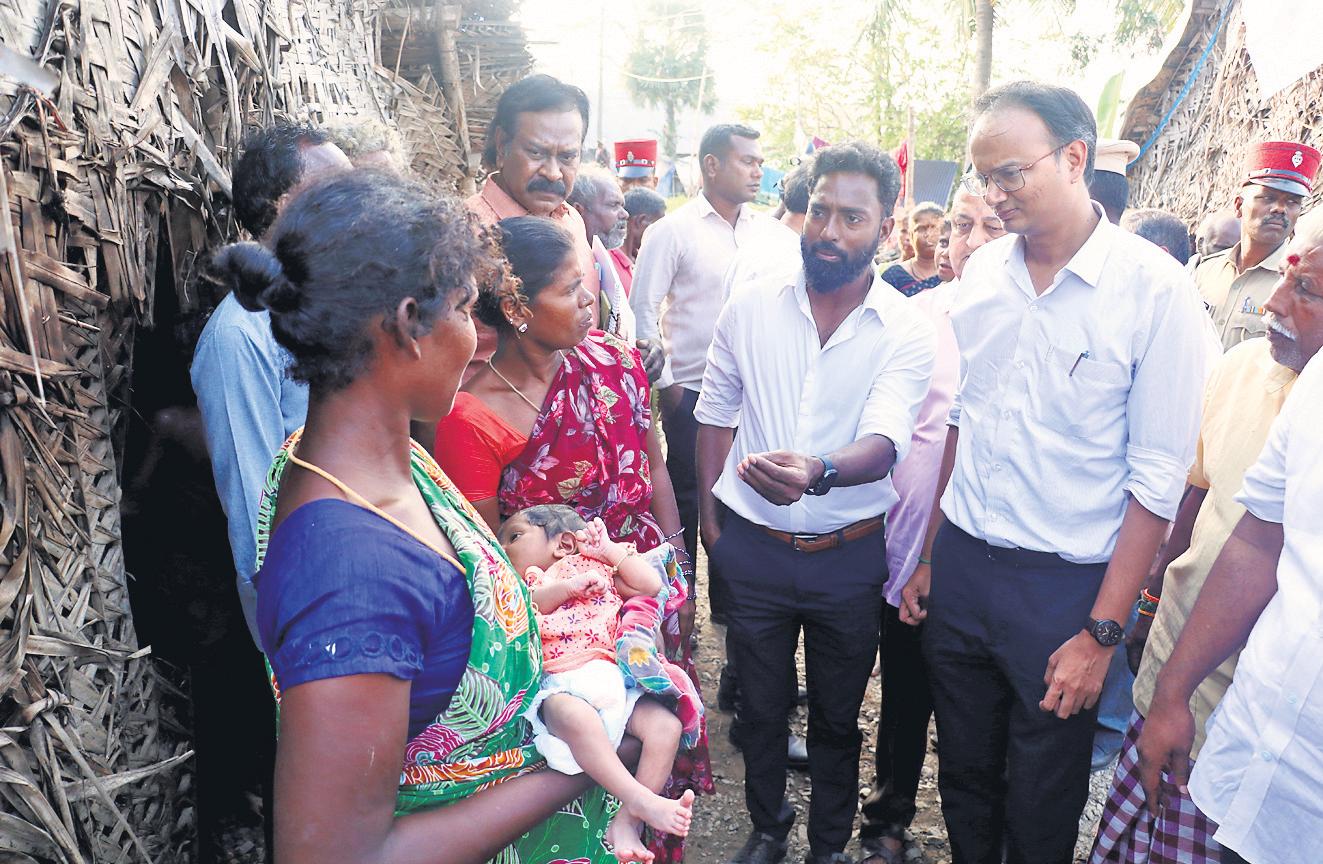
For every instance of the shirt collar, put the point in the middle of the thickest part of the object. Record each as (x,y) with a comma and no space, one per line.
(505,206)
(706,209)
(879,298)
(1272,263)
(1087,262)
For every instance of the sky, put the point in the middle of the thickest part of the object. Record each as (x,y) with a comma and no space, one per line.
(576,40)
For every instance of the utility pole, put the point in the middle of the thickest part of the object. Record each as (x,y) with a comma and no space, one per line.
(601,69)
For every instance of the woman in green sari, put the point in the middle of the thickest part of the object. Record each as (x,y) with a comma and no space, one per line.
(402,644)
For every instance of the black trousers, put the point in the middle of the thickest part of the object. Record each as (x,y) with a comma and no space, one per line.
(902,728)
(1011,775)
(832,596)
(682,464)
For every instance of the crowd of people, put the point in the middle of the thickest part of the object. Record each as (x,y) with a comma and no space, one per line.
(1045,459)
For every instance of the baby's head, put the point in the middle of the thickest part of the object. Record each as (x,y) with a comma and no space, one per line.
(540,536)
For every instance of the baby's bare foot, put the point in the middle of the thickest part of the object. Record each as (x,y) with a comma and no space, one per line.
(623,835)
(663,814)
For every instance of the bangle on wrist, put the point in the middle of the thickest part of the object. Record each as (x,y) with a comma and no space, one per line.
(927,561)
(1148,604)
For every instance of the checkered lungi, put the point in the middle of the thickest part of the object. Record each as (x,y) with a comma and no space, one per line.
(1128,833)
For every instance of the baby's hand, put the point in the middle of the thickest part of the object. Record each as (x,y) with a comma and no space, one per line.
(595,542)
(590,584)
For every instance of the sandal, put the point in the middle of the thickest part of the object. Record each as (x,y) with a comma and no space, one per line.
(877,852)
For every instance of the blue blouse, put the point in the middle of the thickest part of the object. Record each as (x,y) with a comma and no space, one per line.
(344,592)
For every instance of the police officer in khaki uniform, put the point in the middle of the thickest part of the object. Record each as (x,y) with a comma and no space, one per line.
(1236,282)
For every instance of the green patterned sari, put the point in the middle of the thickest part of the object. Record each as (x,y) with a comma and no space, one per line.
(482,737)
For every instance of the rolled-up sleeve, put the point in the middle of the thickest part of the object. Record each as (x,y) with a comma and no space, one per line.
(1165,404)
(900,385)
(653,274)
(722,395)
(1263,491)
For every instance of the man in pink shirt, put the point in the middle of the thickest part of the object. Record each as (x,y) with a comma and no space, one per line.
(533,149)
(902,734)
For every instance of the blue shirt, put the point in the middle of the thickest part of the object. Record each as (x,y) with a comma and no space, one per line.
(344,592)
(249,407)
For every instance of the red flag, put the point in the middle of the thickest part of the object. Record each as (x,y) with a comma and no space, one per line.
(902,156)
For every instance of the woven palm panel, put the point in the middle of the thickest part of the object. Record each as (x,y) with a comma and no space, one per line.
(1197,163)
(115,180)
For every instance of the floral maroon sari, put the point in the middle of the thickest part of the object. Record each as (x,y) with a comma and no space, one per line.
(589,449)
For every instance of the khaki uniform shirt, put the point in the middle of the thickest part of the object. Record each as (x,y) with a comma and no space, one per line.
(1242,398)
(1236,300)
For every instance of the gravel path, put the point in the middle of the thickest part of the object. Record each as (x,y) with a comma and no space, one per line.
(721,823)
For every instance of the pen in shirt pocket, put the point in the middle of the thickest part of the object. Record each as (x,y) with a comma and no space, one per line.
(1083,355)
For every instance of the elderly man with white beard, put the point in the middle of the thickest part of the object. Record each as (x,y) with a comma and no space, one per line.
(1243,398)
(597,197)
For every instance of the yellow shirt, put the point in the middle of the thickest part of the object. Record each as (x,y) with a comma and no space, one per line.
(1242,397)
(1236,300)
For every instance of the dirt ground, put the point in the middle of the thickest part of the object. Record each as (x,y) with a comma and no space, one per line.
(721,823)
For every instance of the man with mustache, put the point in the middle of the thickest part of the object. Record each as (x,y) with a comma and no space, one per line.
(1235,283)
(809,399)
(533,149)
(1082,359)
(1257,773)
(1248,386)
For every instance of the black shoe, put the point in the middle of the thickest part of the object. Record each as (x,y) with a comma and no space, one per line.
(760,849)
(796,753)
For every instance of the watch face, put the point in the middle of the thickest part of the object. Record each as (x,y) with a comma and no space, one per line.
(1107,632)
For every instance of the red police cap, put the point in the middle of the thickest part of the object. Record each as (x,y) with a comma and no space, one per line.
(636,158)
(1284,165)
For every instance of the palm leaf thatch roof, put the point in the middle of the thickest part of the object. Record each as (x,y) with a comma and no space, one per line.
(114,178)
(1196,162)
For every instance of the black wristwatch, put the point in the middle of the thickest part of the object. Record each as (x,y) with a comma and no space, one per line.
(826,481)
(1106,632)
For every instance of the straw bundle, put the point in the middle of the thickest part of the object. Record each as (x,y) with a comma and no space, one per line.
(1196,165)
(114,179)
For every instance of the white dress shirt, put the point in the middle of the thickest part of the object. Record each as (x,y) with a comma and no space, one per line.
(1260,771)
(680,267)
(1071,399)
(768,375)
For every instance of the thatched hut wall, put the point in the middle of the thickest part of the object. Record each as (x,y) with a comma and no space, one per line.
(1196,164)
(115,181)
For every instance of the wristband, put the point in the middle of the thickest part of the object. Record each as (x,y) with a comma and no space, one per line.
(1145,594)
(927,561)
(1148,604)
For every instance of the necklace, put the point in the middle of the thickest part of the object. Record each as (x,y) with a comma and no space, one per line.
(516,390)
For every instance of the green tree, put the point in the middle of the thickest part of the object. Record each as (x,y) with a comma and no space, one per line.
(1138,22)
(860,88)
(667,67)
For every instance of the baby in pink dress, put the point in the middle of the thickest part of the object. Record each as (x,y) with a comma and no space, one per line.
(579,578)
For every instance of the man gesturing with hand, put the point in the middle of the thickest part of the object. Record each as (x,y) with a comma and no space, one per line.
(821,369)
(1073,426)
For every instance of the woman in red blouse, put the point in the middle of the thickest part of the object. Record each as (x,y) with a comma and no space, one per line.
(560,415)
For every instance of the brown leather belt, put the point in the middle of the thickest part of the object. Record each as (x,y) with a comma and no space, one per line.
(810,543)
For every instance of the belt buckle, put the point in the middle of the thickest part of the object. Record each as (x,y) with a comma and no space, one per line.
(796,538)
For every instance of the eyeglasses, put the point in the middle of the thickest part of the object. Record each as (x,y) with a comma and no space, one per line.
(1008,179)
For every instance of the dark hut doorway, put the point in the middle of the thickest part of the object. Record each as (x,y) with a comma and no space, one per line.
(182,578)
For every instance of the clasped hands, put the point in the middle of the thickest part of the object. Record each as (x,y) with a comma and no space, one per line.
(779,475)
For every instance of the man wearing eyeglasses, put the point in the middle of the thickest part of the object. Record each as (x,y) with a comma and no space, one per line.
(1072,428)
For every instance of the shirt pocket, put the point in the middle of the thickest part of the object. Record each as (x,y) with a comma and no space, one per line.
(1078,395)
(1247,324)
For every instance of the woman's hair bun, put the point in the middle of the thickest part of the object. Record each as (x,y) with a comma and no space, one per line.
(255,275)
